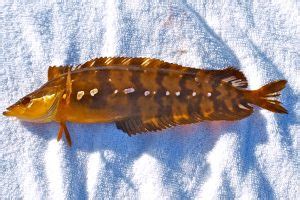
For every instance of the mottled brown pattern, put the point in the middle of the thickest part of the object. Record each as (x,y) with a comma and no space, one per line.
(180,111)
(148,107)
(120,79)
(171,83)
(156,78)
(148,80)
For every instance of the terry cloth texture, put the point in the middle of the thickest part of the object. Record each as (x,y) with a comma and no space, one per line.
(257,157)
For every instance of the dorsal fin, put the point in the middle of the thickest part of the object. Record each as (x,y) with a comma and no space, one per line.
(133,126)
(128,61)
(54,71)
(231,75)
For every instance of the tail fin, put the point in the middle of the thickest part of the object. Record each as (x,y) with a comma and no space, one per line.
(265,96)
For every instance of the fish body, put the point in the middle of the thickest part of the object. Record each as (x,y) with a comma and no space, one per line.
(143,94)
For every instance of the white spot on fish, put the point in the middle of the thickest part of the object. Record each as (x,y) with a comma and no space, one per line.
(48,97)
(146,62)
(154,92)
(229,78)
(208,94)
(167,93)
(109,79)
(116,91)
(243,107)
(30,104)
(238,83)
(126,61)
(129,90)
(94,91)
(80,95)
(92,63)
(177,93)
(146,93)
(194,94)
(108,61)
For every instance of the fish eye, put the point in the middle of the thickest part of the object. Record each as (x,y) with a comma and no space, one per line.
(25,100)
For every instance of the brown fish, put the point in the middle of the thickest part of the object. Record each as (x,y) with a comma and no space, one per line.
(142,95)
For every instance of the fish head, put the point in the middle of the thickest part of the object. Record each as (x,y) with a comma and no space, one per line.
(38,106)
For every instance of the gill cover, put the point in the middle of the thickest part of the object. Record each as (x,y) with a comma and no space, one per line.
(34,108)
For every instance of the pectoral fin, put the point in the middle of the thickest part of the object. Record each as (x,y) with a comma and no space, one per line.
(54,71)
(63,129)
(60,133)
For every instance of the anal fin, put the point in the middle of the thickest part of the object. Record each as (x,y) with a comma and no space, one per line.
(136,125)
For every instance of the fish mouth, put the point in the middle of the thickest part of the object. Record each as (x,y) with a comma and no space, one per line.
(5,113)
(12,111)
(8,113)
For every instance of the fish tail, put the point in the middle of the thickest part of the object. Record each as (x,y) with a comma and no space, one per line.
(265,97)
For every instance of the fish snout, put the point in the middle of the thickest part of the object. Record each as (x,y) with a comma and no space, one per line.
(10,111)
(7,113)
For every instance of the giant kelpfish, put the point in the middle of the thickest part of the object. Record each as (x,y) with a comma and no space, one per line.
(142,95)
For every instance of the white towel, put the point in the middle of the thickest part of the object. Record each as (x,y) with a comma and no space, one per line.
(257,157)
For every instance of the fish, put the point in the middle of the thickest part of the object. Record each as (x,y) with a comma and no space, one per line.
(142,95)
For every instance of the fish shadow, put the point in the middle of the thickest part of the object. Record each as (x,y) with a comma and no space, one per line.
(172,148)
(251,135)
(288,97)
